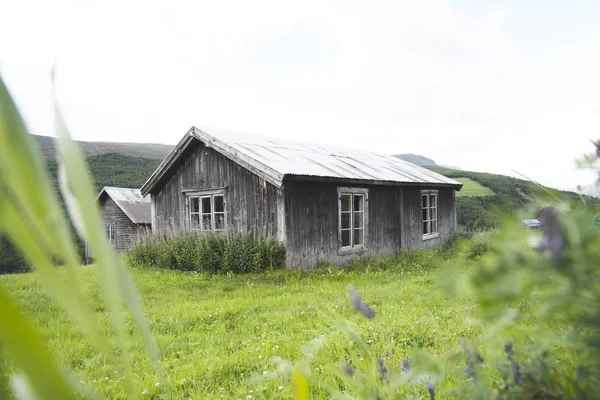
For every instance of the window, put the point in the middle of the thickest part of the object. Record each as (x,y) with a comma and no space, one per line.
(352,217)
(429,208)
(111,234)
(207,212)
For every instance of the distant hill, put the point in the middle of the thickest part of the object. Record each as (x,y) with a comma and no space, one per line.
(417,159)
(114,169)
(505,193)
(47,146)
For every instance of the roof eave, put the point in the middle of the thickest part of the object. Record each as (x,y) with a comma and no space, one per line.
(312,178)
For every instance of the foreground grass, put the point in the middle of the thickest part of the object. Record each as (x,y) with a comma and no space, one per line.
(472,188)
(218,335)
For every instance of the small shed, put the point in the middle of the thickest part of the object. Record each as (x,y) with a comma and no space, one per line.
(325,203)
(127,217)
(532,224)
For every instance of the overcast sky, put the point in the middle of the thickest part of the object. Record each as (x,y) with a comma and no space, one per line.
(491,86)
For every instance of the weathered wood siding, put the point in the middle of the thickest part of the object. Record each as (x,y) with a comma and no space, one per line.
(250,201)
(127,233)
(412,217)
(312,222)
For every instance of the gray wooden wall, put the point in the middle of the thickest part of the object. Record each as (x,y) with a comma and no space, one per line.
(127,233)
(412,237)
(250,202)
(312,222)
(394,221)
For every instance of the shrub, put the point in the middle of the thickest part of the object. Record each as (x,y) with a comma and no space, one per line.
(11,260)
(208,252)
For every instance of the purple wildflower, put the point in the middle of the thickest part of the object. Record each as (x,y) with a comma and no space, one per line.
(349,369)
(359,305)
(470,350)
(405,366)
(516,368)
(384,371)
(431,391)
(509,350)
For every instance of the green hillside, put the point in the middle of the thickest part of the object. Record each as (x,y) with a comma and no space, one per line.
(111,164)
(113,169)
(472,188)
(508,194)
(47,147)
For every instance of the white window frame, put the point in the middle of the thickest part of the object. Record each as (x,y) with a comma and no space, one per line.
(353,248)
(203,194)
(430,220)
(111,233)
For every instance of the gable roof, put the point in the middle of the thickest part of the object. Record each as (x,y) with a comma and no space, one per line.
(275,159)
(131,201)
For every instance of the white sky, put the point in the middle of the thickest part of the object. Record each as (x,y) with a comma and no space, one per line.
(481,85)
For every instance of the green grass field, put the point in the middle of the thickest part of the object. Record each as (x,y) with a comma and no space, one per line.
(472,188)
(218,335)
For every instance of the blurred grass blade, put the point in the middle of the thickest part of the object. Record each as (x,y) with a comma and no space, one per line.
(4,382)
(22,171)
(300,385)
(33,219)
(117,286)
(27,351)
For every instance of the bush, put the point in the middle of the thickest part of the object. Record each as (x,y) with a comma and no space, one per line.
(207,252)
(11,260)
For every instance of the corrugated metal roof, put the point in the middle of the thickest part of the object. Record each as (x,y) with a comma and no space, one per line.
(131,201)
(531,223)
(273,159)
(285,157)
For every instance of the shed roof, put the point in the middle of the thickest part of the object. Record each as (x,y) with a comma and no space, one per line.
(531,223)
(275,159)
(131,201)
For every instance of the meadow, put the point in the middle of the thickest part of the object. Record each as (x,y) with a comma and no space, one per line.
(472,189)
(220,335)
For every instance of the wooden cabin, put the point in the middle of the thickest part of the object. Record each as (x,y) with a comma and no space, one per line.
(126,215)
(326,203)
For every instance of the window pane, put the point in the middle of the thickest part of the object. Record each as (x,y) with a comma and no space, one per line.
(194,204)
(219,204)
(359,202)
(346,220)
(434,227)
(195,221)
(206,222)
(205,205)
(434,213)
(432,200)
(425,228)
(425,214)
(358,219)
(424,200)
(359,237)
(346,238)
(345,202)
(219,221)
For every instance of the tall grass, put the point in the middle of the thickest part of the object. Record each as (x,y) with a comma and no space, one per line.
(32,219)
(208,252)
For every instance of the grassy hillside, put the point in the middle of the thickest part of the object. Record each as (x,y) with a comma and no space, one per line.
(112,169)
(508,194)
(219,335)
(145,150)
(472,188)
